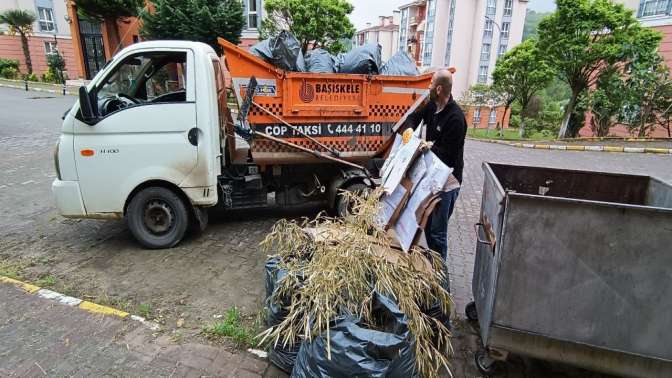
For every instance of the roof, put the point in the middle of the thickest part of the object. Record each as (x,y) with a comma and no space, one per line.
(413,3)
(380,28)
(196,46)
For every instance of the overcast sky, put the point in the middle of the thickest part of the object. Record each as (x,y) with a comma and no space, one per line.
(369,10)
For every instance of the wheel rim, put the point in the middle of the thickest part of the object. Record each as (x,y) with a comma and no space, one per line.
(159,217)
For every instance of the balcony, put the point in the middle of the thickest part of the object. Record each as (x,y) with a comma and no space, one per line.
(412,21)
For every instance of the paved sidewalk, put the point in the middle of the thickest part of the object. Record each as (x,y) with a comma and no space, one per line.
(42,338)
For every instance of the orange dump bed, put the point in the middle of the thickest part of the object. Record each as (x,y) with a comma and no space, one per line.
(353,114)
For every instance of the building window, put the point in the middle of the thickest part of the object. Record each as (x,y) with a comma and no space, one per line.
(252,14)
(506,27)
(483,74)
(508,7)
(50,47)
(477,116)
(492,119)
(502,50)
(653,7)
(46,19)
(488,28)
(403,30)
(429,33)
(449,38)
(491,8)
(485,52)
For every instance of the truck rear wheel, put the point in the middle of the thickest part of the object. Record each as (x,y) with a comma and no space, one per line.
(157,217)
(343,206)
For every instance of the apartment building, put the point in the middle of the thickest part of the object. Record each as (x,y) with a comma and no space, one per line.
(468,35)
(51,32)
(385,33)
(655,14)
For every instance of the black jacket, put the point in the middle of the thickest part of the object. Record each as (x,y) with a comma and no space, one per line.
(447,129)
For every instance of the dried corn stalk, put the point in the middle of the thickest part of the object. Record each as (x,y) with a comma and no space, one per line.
(336,270)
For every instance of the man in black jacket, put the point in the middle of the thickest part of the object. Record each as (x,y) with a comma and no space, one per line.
(446,129)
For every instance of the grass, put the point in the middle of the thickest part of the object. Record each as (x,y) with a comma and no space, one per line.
(507,134)
(46,281)
(233,328)
(12,269)
(145,310)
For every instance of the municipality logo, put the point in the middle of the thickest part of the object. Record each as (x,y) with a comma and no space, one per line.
(306,92)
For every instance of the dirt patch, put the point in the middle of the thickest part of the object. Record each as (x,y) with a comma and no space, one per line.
(185,288)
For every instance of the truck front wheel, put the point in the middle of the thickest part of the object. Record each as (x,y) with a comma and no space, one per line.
(157,217)
(343,206)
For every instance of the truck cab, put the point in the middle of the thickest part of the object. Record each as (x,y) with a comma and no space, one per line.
(143,142)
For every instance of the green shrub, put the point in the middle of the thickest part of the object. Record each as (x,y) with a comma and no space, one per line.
(12,63)
(30,77)
(50,77)
(9,73)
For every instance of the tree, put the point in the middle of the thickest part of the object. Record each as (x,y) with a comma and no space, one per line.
(532,20)
(606,101)
(21,22)
(649,89)
(109,12)
(315,23)
(521,73)
(195,20)
(583,36)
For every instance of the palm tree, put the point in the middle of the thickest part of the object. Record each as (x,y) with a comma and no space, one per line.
(20,21)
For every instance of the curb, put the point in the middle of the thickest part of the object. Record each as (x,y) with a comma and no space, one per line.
(574,147)
(91,307)
(37,89)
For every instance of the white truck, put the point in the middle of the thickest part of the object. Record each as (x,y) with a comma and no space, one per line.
(150,140)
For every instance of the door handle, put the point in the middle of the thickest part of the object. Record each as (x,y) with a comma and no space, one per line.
(193,136)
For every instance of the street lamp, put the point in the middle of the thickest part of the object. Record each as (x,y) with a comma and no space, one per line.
(499,39)
(499,28)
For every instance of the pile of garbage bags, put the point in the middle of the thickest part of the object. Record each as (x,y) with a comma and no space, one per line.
(284,51)
(384,349)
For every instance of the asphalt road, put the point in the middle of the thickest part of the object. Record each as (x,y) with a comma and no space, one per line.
(222,267)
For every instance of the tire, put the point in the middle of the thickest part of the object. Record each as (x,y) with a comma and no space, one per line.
(157,218)
(470,311)
(342,206)
(485,365)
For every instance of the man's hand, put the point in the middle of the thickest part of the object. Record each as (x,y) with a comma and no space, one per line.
(426,146)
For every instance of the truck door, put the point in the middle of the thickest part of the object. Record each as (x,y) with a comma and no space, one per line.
(146,128)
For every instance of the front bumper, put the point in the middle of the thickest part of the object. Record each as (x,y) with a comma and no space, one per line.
(68,198)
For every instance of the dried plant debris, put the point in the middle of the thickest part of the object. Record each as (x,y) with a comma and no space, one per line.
(335,266)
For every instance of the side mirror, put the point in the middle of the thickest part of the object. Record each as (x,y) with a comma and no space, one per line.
(88,113)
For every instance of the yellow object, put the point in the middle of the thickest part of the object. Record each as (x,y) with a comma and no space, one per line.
(25,286)
(98,309)
(406,136)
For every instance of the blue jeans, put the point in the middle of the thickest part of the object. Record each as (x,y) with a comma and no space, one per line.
(436,230)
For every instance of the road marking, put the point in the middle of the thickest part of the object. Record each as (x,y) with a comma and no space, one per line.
(25,286)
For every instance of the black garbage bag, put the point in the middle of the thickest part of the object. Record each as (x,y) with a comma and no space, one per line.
(320,61)
(275,312)
(364,60)
(400,64)
(281,356)
(282,51)
(358,350)
(284,357)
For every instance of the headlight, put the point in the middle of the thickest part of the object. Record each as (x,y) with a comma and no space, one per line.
(58,170)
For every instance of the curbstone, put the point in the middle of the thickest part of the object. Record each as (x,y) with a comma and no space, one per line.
(91,307)
(577,147)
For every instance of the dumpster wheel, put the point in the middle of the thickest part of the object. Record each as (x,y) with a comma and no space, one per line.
(470,311)
(485,364)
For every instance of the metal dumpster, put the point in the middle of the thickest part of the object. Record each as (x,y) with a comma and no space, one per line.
(575,267)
